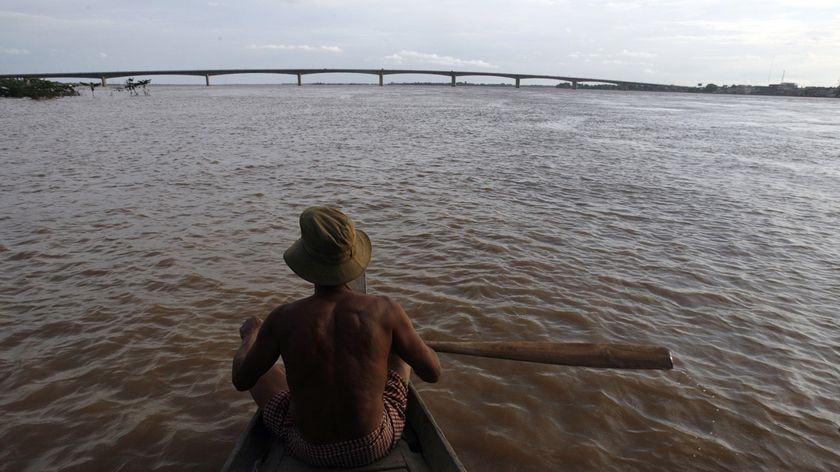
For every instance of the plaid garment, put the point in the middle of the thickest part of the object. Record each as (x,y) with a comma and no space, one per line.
(351,453)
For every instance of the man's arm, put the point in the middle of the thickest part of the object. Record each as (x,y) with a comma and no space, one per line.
(407,344)
(258,352)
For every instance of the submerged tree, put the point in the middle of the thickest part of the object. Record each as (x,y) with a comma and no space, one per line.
(92,85)
(132,85)
(144,83)
(35,88)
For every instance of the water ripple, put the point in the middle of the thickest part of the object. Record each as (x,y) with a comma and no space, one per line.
(708,224)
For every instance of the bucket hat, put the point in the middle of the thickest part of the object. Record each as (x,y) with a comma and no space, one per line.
(330,251)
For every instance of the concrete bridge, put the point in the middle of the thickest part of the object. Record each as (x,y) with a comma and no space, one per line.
(207,73)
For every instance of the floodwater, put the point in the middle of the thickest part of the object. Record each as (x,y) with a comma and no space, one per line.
(137,232)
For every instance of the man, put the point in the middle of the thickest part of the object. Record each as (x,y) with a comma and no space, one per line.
(341,400)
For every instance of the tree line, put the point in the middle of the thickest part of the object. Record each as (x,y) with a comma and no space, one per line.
(35,88)
(44,89)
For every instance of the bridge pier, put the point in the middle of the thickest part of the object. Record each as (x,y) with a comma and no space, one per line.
(381,76)
(453,80)
(574,85)
(207,80)
(517,82)
(104,82)
(299,80)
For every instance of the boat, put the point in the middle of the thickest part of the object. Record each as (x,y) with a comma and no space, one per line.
(422,448)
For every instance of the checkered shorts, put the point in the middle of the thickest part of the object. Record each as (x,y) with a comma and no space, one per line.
(352,453)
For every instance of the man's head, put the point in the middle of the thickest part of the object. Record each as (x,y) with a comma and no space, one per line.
(330,251)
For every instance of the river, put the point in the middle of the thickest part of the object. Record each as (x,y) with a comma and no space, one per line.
(137,232)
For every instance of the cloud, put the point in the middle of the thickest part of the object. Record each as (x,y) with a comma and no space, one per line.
(738,59)
(13,51)
(549,3)
(647,55)
(625,6)
(625,57)
(771,32)
(422,57)
(297,47)
(102,55)
(44,21)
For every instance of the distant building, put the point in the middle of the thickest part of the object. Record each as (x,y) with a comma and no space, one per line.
(820,92)
(784,87)
(740,89)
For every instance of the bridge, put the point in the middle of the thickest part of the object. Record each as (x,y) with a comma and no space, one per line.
(207,73)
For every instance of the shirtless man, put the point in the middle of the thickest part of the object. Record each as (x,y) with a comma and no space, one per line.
(341,400)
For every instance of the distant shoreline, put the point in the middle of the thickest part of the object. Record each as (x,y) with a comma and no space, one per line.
(452,78)
(777,90)
(782,90)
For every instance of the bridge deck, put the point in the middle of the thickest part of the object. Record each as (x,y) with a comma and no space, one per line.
(300,72)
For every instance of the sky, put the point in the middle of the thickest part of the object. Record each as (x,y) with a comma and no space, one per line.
(659,41)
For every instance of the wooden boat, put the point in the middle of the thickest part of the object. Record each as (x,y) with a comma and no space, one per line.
(422,448)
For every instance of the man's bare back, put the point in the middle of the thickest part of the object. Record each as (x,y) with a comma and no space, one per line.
(337,347)
(342,398)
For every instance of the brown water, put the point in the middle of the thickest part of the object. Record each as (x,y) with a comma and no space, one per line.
(137,232)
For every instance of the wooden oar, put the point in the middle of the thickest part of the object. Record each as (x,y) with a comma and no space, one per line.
(615,356)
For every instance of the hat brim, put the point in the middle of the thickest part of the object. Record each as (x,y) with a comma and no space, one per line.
(321,273)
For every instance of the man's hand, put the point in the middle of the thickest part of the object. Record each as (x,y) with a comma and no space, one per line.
(250,326)
(259,350)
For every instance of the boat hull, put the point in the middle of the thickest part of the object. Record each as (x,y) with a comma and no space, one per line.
(422,448)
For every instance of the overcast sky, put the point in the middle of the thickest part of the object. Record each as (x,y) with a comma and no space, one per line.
(660,41)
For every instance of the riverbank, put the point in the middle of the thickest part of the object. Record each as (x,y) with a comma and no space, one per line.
(778,90)
(35,88)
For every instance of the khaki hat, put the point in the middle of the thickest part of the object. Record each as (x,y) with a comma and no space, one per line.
(330,251)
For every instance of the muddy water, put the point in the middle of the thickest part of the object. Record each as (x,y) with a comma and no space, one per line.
(136,233)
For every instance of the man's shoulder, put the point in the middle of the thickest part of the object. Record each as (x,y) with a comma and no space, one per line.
(286,316)
(284,311)
(390,311)
(369,296)
(380,307)
(380,301)
(284,308)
